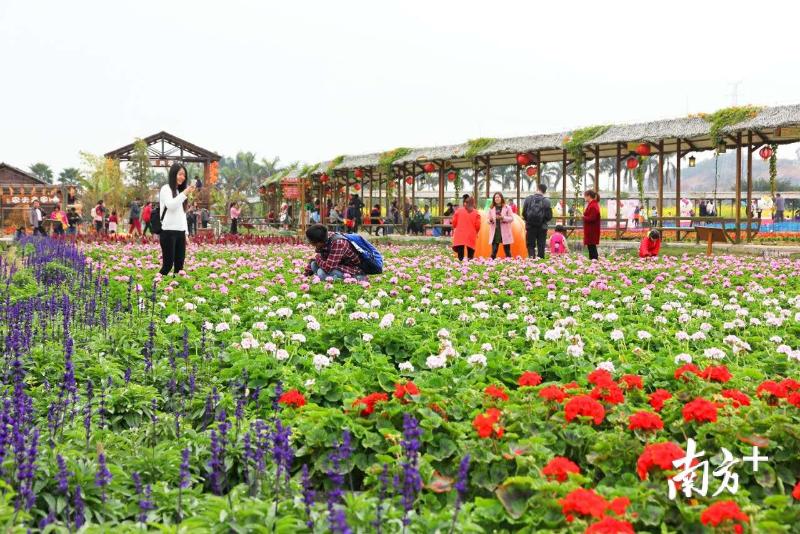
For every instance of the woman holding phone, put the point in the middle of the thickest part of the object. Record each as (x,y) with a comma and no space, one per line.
(172,202)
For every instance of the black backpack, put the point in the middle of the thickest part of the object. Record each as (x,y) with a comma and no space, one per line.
(535,211)
(155,222)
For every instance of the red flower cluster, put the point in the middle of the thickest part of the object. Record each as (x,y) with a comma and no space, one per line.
(529,379)
(659,455)
(658,398)
(738,398)
(610,393)
(716,373)
(560,468)
(486,424)
(586,406)
(632,382)
(700,410)
(794,399)
(796,492)
(723,511)
(600,377)
(496,392)
(588,503)
(552,393)
(292,398)
(609,525)
(689,368)
(645,421)
(401,390)
(370,401)
(772,390)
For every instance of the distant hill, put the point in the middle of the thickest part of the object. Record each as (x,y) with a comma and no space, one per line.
(701,177)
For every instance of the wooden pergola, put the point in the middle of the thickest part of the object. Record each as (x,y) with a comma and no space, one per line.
(165,149)
(680,137)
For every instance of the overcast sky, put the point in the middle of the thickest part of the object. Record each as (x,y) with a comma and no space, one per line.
(310,80)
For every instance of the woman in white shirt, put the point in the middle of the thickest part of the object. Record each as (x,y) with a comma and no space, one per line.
(172,201)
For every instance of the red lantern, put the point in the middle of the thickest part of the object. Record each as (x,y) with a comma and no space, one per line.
(451,176)
(523,159)
(643,149)
(531,171)
(429,167)
(324,178)
(765,152)
(359,173)
(409,180)
(357,187)
(632,162)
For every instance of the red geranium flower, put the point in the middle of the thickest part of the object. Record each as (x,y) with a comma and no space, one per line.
(486,423)
(772,390)
(370,401)
(552,393)
(600,377)
(619,505)
(723,511)
(645,421)
(684,369)
(716,373)
(584,405)
(738,398)
(796,492)
(610,393)
(496,392)
(632,381)
(609,525)
(658,398)
(572,385)
(794,399)
(659,455)
(700,410)
(790,384)
(401,390)
(292,398)
(583,502)
(560,468)
(529,379)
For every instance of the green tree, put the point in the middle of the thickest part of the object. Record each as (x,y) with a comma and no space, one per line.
(43,172)
(139,170)
(70,175)
(102,179)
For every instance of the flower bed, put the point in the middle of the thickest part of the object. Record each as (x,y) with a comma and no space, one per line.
(507,396)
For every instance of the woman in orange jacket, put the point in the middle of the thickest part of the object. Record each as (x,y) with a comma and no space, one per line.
(651,244)
(466,225)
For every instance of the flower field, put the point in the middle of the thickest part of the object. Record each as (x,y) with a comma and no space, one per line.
(438,397)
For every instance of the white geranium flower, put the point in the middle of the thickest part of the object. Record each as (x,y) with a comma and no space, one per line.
(298,338)
(606,366)
(366,337)
(683,358)
(406,366)
(477,359)
(333,352)
(259,326)
(436,361)
(321,361)
(189,306)
(222,327)
(617,335)
(173,319)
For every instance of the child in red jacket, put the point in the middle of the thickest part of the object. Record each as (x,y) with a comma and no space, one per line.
(651,244)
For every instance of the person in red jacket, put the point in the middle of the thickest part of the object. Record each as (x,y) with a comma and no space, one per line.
(466,225)
(651,244)
(147,212)
(591,223)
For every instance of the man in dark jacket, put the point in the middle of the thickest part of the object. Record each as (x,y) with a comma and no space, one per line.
(537,212)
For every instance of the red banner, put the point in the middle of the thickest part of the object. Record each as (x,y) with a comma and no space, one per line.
(291,188)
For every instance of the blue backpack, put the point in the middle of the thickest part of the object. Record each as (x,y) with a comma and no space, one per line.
(371,259)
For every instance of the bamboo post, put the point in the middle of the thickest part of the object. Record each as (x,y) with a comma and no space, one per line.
(518,187)
(564,184)
(749,186)
(738,206)
(488,177)
(660,201)
(597,167)
(678,187)
(619,187)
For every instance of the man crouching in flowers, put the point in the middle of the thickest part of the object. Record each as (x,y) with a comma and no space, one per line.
(336,258)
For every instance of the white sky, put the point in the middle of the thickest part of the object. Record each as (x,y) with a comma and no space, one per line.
(310,80)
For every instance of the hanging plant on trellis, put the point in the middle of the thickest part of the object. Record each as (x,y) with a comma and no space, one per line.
(476,146)
(773,170)
(638,175)
(386,159)
(573,144)
(725,117)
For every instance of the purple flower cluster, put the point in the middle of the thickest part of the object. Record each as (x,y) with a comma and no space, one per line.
(336,514)
(103,476)
(412,481)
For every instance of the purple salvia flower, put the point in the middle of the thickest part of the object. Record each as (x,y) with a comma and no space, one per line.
(247,449)
(127,376)
(146,503)
(103,476)
(278,392)
(47,520)
(87,411)
(78,508)
(308,496)
(185,475)
(192,381)
(185,354)
(137,482)
(62,476)
(336,515)
(383,478)
(412,482)
(461,488)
